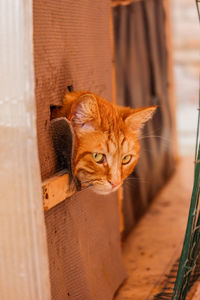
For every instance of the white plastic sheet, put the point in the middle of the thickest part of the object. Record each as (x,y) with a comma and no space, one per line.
(23,252)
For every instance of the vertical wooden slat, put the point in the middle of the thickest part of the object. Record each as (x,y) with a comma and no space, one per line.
(115,3)
(114,98)
(24,271)
(170,87)
(142,80)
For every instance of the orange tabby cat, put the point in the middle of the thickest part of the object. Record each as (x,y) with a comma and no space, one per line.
(106,139)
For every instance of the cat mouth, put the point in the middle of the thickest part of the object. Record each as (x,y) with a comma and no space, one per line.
(104,190)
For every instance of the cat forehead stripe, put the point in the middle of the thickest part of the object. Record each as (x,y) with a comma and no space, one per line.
(81,155)
(123,140)
(111,146)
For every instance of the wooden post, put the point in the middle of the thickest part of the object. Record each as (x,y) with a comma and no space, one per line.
(114,96)
(171,90)
(123,2)
(24,273)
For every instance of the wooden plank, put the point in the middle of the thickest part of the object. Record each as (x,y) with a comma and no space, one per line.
(114,96)
(56,189)
(114,99)
(115,3)
(121,215)
(170,62)
(154,245)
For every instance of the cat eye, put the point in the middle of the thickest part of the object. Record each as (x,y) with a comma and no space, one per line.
(126,159)
(99,158)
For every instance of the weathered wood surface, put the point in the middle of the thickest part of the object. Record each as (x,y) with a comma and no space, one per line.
(123,2)
(170,73)
(56,189)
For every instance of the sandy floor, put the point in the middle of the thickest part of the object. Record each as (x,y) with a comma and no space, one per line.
(154,245)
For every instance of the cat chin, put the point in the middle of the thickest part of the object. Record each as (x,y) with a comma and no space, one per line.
(104,192)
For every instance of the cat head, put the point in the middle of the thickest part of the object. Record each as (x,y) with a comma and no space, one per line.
(107,141)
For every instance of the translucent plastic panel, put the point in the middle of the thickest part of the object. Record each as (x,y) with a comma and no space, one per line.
(23,252)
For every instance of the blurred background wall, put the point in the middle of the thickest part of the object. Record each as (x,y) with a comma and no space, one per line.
(186,45)
(143,77)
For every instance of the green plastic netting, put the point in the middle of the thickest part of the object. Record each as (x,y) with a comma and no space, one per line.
(187,270)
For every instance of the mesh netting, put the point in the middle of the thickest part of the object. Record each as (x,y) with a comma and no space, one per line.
(186,271)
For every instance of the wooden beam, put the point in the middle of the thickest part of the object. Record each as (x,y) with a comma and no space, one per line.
(112,37)
(115,3)
(114,96)
(170,63)
(56,189)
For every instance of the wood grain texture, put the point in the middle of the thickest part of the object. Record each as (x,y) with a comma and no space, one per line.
(56,189)
(170,62)
(123,2)
(114,100)
(121,215)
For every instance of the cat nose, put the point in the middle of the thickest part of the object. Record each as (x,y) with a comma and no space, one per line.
(114,184)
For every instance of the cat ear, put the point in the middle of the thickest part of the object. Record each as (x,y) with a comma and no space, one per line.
(85,113)
(137,119)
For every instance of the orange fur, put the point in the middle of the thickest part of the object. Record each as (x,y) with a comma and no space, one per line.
(102,127)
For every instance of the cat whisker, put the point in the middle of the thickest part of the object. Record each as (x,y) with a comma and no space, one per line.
(135,179)
(148,150)
(154,136)
(82,190)
(82,107)
(87,181)
(92,181)
(129,184)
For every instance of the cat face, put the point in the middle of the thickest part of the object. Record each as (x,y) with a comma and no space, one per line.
(105,159)
(106,137)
